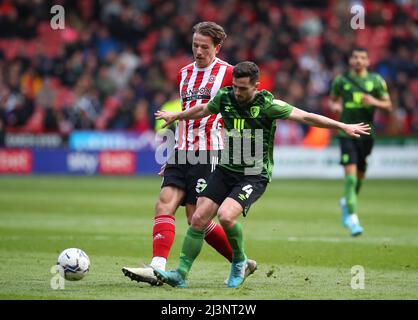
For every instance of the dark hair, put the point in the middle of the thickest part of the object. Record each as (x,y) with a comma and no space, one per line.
(247,69)
(361,49)
(211,29)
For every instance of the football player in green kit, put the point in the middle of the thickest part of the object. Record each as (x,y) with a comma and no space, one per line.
(242,176)
(355,95)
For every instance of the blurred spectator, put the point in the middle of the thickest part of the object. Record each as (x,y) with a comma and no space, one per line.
(105,43)
(141,122)
(3,116)
(124,116)
(104,83)
(123,68)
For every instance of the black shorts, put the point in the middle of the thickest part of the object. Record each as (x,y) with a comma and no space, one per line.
(243,188)
(355,151)
(190,177)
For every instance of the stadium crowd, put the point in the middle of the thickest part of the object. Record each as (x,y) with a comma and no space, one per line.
(116,61)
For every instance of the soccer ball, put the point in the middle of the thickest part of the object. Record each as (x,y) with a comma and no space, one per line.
(74,263)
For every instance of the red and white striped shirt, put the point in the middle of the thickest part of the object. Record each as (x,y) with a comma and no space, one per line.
(199,85)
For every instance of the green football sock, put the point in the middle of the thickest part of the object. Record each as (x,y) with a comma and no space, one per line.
(192,245)
(235,238)
(350,183)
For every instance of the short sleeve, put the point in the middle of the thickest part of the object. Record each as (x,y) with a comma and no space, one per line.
(178,80)
(227,80)
(214,105)
(381,87)
(279,110)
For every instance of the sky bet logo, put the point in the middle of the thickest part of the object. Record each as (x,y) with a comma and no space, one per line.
(82,162)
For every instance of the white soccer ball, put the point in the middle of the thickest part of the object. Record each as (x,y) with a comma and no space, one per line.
(75,264)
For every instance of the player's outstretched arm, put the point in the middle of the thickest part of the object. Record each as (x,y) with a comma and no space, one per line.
(197,112)
(316,120)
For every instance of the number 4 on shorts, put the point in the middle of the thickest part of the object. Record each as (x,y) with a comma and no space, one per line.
(248,189)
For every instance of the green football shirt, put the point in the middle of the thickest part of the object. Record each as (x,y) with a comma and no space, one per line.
(249,130)
(354,110)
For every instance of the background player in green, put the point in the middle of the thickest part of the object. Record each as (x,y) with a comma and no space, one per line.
(354,96)
(232,187)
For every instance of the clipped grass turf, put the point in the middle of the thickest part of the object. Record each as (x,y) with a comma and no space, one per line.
(293,232)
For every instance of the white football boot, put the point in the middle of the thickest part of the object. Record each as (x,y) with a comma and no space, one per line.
(145,274)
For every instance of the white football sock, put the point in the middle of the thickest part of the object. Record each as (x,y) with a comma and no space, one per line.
(353,219)
(158,263)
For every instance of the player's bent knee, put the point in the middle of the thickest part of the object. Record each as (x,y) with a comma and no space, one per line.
(226,219)
(199,221)
(164,208)
(168,201)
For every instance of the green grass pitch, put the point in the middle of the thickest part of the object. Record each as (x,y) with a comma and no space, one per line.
(293,231)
